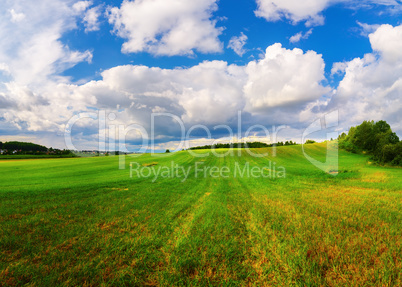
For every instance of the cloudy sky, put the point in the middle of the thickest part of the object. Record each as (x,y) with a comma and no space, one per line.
(208,62)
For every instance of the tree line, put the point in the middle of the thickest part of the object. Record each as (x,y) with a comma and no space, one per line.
(242,145)
(375,138)
(19,148)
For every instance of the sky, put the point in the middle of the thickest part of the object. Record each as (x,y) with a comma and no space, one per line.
(103,69)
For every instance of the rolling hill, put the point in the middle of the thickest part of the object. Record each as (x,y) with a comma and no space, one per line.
(84,221)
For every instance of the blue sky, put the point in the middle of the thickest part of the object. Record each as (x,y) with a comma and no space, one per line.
(275,62)
(338,40)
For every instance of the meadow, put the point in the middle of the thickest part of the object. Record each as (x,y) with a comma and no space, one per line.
(85,222)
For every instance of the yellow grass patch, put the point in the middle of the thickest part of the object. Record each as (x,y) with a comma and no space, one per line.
(375,177)
(119,188)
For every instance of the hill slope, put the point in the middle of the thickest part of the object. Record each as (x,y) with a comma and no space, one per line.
(84,221)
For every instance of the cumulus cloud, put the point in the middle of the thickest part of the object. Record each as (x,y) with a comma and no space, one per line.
(33,95)
(210,93)
(310,11)
(81,6)
(167,27)
(339,67)
(293,10)
(284,78)
(91,19)
(213,91)
(237,44)
(215,86)
(372,85)
(33,51)
(90,16)
(299,36)
(283,87)
(387,41)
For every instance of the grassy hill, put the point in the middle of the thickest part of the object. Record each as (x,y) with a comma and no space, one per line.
(83,221)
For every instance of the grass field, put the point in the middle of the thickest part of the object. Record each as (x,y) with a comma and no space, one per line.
(84,222)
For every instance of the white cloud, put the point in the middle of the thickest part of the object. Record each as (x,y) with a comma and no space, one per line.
(90,16)
(33,95)
(91,19)
(285,86)
(237,44)
(213,92)
(4,68)
(367,29)
(294,10)
(167,27)
(199,94)
(296,38)
(372,86)
(339,67)
(284,78)
(209,93)
(16,17)
(310,11)
(299,36)
(33,52)
(387,41)
(49,109)
(81,6)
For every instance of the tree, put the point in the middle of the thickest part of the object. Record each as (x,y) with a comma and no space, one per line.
(393,138)
(388,153)
(342,136)
(24,147)
(398,154)
(364,136)
(167,151)
(382,140)
(375,138)
(381,127)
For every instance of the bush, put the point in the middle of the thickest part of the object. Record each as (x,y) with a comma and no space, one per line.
(348,146)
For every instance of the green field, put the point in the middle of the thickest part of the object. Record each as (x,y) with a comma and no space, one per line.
(84,222)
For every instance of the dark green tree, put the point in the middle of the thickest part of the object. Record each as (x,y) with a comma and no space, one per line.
(375,138)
